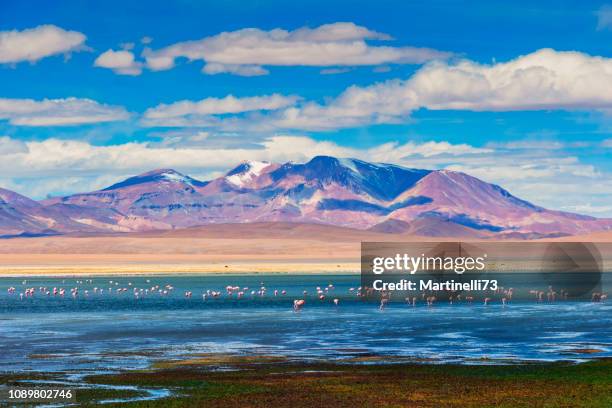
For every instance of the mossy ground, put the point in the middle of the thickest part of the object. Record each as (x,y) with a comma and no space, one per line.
(273,383)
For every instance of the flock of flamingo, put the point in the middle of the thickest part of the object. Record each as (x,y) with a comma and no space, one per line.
(321,294)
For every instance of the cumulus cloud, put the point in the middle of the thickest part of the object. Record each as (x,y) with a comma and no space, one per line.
(55,156)
(545,79)
(247,51)
(36,43)
(58,112)
(218,106)
(121,62)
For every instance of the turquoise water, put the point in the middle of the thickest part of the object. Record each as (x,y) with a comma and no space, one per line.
(111,330)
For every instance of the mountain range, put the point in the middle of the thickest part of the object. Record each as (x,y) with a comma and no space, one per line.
(325,190)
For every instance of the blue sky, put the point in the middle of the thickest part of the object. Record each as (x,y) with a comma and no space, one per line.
(513,93)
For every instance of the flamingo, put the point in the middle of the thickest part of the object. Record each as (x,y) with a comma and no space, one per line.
(298,304)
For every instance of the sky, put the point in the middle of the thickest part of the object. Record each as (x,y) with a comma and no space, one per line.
(513,93)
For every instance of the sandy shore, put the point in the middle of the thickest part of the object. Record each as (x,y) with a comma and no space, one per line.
(134,269)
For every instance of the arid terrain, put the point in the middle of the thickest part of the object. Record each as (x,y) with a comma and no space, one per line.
(226,248)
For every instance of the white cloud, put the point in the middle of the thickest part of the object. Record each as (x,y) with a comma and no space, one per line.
(11,146)
(604,17)
(545,79)
(247,51)
(121,62)
(36,43)
(217,106)
(62,157)
(58,112)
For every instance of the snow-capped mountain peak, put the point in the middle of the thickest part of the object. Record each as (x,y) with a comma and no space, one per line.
(246,172)
(155,176)
(175,177)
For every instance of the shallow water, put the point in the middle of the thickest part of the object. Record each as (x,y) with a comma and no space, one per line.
(113,331)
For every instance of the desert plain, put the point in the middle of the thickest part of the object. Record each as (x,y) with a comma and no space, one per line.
(221,248)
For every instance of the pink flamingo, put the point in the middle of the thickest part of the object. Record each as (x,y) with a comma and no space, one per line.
(298,304)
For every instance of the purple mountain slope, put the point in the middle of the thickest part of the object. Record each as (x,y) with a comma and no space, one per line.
(20,216)
(325,190)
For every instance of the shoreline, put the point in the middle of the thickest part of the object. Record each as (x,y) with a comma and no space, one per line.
(250,268)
